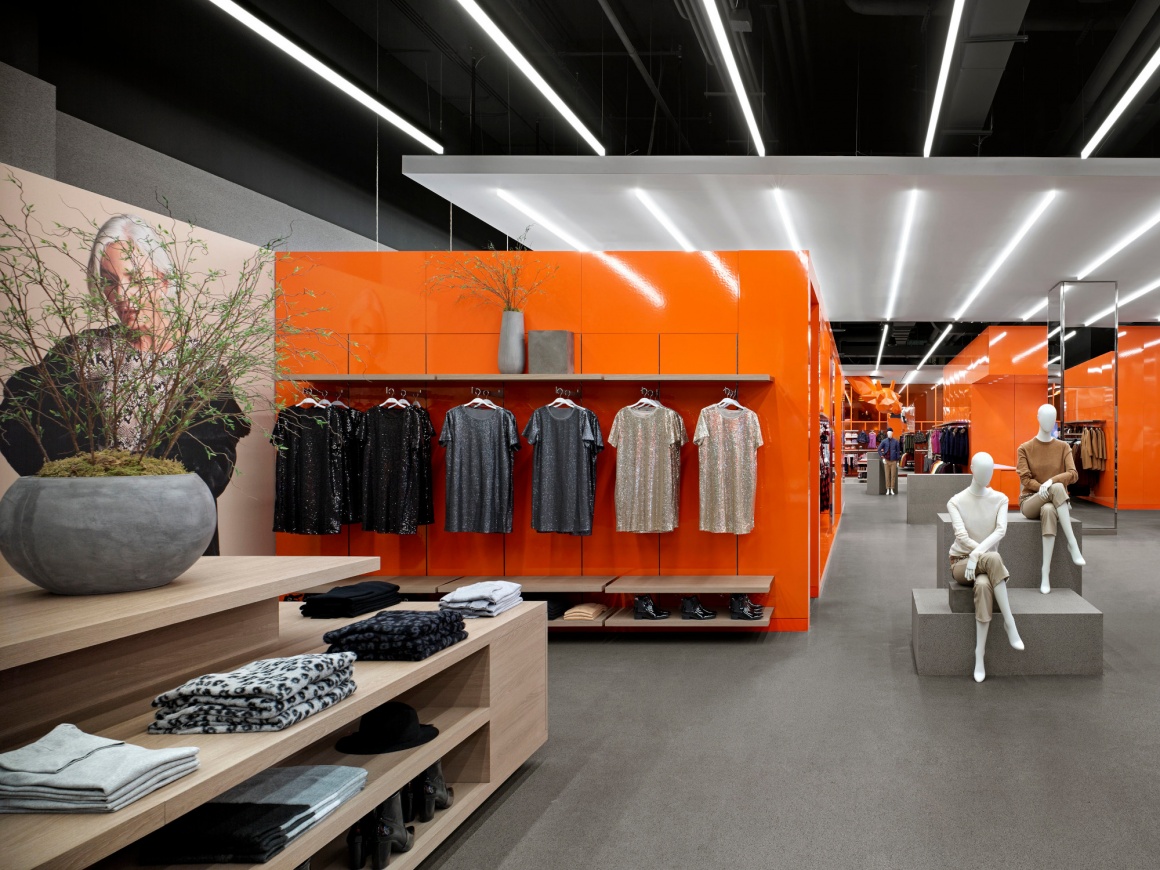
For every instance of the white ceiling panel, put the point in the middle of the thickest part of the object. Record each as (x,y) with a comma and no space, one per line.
(848,212)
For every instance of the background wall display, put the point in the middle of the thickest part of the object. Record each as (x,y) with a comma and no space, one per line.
(245,506)
(640,319)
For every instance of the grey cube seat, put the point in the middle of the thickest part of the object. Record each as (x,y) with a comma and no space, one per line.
(927,495)
(875,475)
(1022,552)
(1063,634)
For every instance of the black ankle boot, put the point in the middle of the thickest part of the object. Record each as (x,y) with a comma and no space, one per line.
(691,608)
(432,792)
(740,607)
(357,844)
(645,608)
(391,834)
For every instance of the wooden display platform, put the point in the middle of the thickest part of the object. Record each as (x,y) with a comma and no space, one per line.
(418,585)
(717,584)
(573,624)
(538,584)
(487,694)
(332,377)
(624,618)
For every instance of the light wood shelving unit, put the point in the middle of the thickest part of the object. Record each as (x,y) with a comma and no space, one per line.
(651,377)
(538,584)
(486,694)
(665,584)
(624,618)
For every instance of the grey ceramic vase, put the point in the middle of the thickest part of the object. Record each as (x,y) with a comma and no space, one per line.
(92,535)
(511,343)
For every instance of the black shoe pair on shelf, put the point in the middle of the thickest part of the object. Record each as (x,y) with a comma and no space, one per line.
(386,830)
(691,608)
(645,608)
(740,607)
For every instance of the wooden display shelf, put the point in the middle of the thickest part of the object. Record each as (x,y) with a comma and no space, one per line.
(716,584)
(459,686)
(38,625)
(538,584)
(418,585)
(624,618)
(492,377)
(573,624)
(759,379)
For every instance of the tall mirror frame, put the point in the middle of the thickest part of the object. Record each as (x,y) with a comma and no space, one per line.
(1083,327)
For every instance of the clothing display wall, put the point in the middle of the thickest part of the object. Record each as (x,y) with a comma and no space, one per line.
(736,313)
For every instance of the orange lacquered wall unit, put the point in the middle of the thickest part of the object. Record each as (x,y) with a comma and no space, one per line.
(998,381)
(641,313)
(1089,394)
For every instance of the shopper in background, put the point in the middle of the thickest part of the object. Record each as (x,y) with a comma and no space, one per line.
(890,449)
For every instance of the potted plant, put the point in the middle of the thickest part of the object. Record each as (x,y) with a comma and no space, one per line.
(131,371)
(499,279)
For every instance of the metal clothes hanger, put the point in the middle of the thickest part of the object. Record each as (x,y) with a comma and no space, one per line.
(730,401)
(308,401)
(391,401)
(647,399)
(481,400)
(563,399)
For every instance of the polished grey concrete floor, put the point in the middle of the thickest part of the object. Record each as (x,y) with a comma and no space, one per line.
(826,750)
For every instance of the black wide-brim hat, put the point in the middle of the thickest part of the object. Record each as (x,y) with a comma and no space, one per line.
(390,727)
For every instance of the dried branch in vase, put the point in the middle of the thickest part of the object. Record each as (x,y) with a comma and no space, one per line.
(500,279)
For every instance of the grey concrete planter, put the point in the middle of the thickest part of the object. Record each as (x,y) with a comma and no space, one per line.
(86,536)
(511,343)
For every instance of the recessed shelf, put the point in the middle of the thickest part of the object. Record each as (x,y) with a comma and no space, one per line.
(624,618)
(538,584)
(572,624)
(418,585)
(727,378)
(718,584)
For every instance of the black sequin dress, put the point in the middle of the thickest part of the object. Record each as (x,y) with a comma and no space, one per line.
(352,429)
(309,470)
(396,470)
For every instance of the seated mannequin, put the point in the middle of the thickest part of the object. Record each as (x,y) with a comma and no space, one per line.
(979,517)
(1046,467)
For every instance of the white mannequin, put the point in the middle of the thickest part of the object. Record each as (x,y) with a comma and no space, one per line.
(1046,416)
(982,470)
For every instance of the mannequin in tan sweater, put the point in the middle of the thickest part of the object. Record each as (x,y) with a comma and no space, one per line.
(1046,467)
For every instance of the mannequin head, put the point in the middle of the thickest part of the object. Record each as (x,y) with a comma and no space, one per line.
(1046,417)
(982,469)
(889,433)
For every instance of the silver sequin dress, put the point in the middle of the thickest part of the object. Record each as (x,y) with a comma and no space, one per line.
(727,442)
(648,468)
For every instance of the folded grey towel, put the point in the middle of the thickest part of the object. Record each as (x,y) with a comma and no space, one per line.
(68,759)
(490,590)
(65,805)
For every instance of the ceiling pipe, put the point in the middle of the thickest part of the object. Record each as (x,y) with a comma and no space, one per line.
(917,8)
(614,20)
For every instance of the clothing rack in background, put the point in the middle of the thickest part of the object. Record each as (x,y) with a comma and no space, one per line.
(950,446)
(1089,449)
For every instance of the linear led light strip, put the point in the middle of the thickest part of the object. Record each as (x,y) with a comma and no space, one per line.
(529,212)
(663,219)
(1035,215)
(896,278)
(1118,246)
(1127,300)
(322,70)
(881,347)
(734,74)
(943,74)
(1129,95)
(513,53)
(933,347)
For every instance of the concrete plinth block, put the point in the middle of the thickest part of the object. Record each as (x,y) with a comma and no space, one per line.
(927,495)
(875,475)
(1063,634)
(1022,552)
(962,599)
(551,352)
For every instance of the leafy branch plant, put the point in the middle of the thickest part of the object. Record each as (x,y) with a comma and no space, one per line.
(501,279)
(173,346)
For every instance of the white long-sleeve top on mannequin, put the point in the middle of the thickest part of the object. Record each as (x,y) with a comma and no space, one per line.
(979,521)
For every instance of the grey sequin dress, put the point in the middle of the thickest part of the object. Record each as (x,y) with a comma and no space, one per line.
(727,442)
(481,445)
(566,442)
(648,468)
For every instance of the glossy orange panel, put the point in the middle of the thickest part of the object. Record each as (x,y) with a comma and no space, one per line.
(647,291)
(774,339)
(449,354)
(1090,394)
(388,353)
(308,353)
(313,545)
(711,354)
(815,519)
(1139,414)
(356,291)
(1018,350)
(398,554)
(620,353)
(557,307)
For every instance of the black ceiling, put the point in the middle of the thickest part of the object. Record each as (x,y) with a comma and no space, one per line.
(906,342)
(826,77)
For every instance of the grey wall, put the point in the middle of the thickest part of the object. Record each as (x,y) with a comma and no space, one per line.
(36,137)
